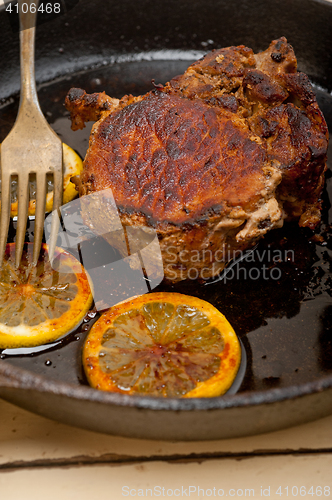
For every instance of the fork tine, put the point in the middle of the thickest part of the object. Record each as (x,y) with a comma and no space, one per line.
(5,212)
(58,189)
(56,215)
(39,214)
(22,215)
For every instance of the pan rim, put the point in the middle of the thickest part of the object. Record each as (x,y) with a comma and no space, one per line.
(19,378)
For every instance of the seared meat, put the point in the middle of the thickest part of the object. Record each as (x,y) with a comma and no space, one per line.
(213,159)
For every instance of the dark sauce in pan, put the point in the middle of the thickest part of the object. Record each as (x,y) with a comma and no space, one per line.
(279,300)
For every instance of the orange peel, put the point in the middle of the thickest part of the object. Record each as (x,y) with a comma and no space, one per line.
(162,344)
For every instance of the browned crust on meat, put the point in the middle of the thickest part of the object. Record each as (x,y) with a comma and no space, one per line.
(174,160)
(199,143)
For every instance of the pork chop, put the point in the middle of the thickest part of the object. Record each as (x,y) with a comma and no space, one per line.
(211,160)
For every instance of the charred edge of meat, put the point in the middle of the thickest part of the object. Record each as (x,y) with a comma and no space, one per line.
(85,107)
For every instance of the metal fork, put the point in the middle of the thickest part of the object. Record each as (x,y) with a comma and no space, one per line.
(31,147)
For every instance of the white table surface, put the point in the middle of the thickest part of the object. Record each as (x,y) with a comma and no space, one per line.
(45,460)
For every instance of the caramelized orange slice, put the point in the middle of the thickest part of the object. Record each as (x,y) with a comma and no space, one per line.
(37,303)
(162,344)
(72,166)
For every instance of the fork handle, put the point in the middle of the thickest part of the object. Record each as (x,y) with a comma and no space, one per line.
(27,41)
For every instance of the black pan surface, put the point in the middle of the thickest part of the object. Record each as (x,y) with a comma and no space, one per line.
(279,300)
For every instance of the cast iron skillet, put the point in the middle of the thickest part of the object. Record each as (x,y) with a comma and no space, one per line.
(285,326)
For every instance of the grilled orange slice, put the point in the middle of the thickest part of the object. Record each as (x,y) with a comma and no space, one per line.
(162,344)
(72,166)
(37,303)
